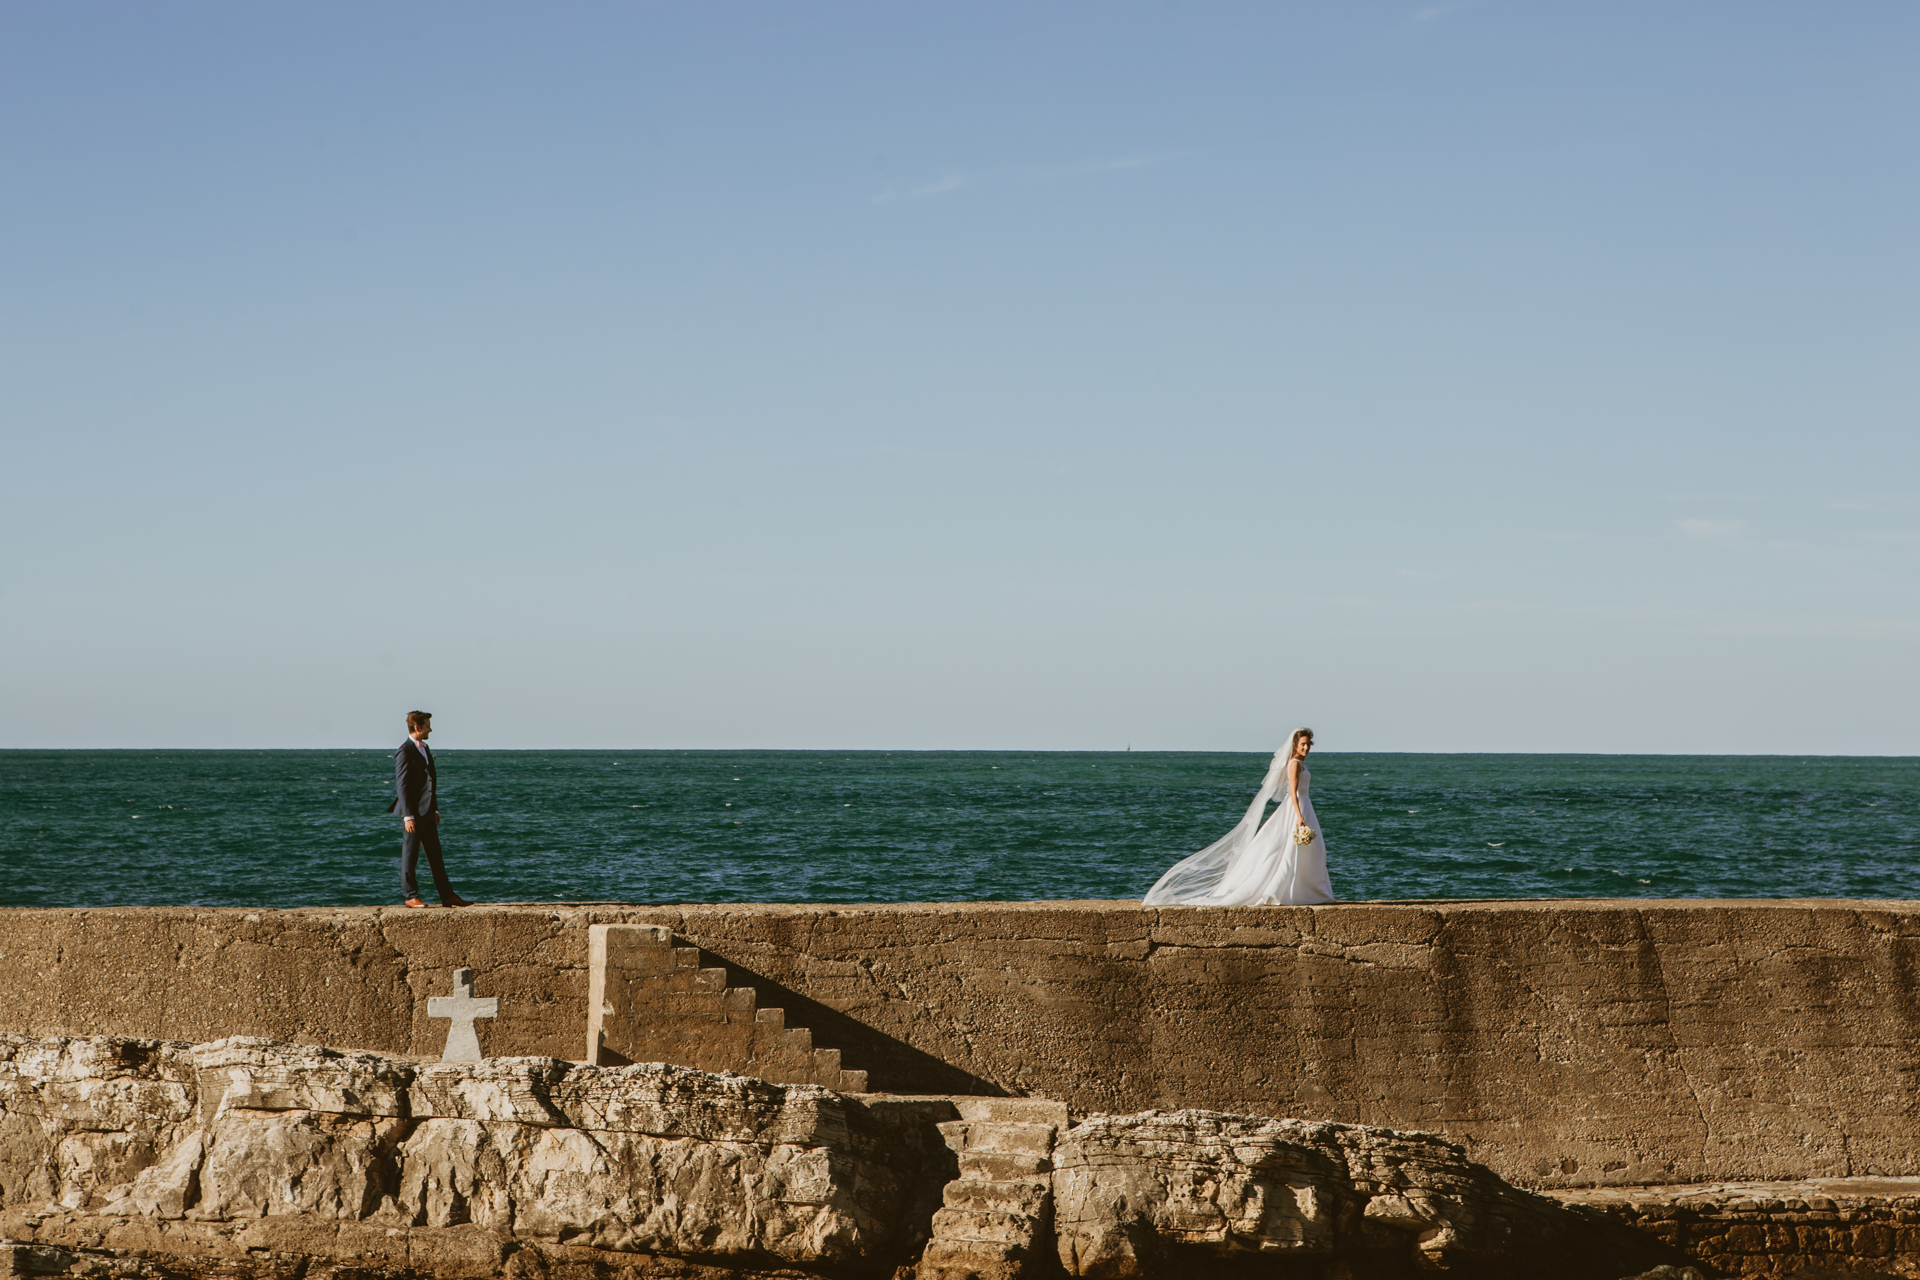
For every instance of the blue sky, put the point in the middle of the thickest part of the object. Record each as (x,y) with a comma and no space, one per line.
(1462,377)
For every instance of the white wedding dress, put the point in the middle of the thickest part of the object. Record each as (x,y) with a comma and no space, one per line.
(1257,863)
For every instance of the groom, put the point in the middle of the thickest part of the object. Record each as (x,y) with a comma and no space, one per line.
(416,796)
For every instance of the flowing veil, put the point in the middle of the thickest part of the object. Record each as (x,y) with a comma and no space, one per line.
(1198,876)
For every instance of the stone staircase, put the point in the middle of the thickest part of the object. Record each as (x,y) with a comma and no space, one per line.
(996,1218)
(651,1001)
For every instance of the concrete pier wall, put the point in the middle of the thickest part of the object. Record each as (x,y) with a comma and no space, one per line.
(1565,1043)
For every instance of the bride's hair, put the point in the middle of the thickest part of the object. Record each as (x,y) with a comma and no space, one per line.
(1293,743)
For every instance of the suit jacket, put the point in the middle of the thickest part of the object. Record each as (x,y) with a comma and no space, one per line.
(416,784)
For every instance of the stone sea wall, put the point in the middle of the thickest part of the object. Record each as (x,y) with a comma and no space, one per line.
(1564,1044)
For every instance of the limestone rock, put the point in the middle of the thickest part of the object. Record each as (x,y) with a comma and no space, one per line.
(247,1073)
(660,1158)
(164,1190)
(80,1114)
(995,1221)
(635,1193)
(293,1129)
(646,1158)
(307,1162)
(218,1152)
(649,1097)
(1159,1193)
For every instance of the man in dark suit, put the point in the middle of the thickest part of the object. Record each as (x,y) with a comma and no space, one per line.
(416,797)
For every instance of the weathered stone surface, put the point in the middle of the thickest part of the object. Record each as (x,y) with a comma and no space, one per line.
(256,1164)
(647,1158)
(1860,1227)
(78,1245)
(249,1073)
(247,1157)
(647,1097)
(1160,1194)
(78,1114)
(650,1000)
(358,977)
(164,1190)
(461,1008)
(995,1221)
(633,1193)
(1564,1043)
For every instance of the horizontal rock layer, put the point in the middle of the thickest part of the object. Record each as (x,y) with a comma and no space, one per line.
(1176,1193)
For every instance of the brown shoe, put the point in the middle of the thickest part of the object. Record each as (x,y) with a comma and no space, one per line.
(415,902)
(456,902)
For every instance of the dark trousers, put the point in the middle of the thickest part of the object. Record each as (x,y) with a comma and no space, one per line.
(425,835)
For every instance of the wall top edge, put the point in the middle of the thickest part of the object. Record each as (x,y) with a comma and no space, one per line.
(600,912)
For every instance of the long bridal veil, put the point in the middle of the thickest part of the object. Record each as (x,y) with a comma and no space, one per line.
(1200,878)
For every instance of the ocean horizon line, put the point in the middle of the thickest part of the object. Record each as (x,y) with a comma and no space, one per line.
(1161,751)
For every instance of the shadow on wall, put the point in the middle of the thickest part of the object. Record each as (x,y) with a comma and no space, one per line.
(653,997)
(892,1065)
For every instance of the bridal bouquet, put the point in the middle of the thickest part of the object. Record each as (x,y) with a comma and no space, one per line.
(1303,834)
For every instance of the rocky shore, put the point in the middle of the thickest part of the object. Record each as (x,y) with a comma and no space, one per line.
(253,1157)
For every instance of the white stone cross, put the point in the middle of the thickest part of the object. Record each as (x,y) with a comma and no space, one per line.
(462,1044)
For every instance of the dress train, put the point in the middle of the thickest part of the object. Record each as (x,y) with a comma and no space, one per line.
(1256,863)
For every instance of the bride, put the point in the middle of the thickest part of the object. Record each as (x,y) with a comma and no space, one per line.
(1256,863)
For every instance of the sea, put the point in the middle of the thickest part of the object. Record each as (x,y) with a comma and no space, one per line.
(309,828)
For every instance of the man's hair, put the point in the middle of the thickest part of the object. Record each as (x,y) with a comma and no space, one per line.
(417,720)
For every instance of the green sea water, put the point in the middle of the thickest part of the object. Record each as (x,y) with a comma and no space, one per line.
(308,828)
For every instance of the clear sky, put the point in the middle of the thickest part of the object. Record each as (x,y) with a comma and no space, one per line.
(1479,376)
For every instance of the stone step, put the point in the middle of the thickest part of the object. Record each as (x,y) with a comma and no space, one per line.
(964,1256)
(652,1000)
(985,1226)
(1012,1110)
(996,1218)
(1024,1199)
(969,1138)
(992,1166)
